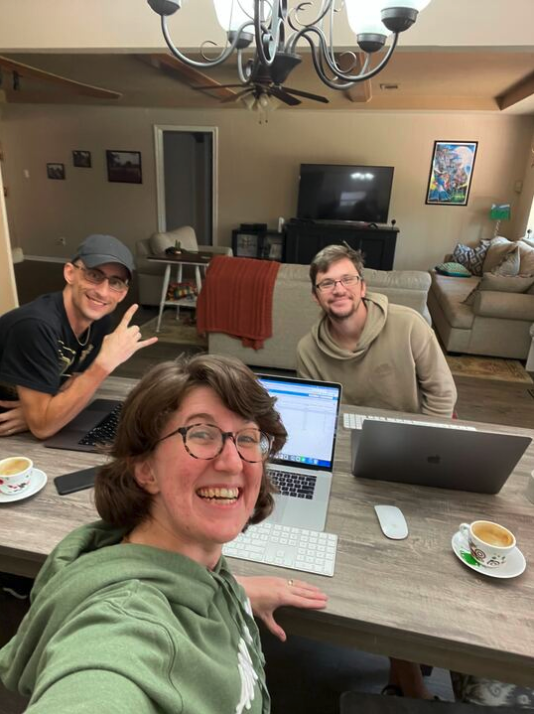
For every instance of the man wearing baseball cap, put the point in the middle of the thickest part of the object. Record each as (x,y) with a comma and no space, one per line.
(57,350)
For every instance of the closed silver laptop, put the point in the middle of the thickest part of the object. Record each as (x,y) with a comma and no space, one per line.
(442,457)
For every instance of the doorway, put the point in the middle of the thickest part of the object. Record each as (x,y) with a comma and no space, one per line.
(186,180)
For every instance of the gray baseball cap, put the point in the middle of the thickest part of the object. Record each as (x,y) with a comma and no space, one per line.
(99,249)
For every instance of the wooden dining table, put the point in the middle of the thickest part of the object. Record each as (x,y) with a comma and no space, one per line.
(412,599)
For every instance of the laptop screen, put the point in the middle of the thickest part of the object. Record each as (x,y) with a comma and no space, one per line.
(309,411)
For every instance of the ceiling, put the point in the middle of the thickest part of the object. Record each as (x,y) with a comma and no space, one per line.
(447,79)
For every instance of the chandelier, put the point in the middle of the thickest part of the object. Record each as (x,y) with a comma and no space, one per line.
(272,31)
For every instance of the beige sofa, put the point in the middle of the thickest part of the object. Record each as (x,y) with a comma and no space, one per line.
(496,324)
(294,312)
(150,275)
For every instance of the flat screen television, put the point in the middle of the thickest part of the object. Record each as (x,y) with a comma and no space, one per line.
(329,192)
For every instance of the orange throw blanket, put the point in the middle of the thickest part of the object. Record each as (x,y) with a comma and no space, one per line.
(237,299)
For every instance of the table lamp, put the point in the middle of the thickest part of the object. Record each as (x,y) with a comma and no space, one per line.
(500,212)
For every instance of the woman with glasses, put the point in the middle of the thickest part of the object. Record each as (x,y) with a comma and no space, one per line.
(139,612)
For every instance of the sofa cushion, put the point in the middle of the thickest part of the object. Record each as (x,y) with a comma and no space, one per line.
(501,283)
(506,283)
(498,249)
(451,294)
(471,258)
(510,265)
(453,269)
(397,279)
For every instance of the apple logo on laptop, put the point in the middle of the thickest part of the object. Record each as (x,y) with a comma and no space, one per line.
(434,459)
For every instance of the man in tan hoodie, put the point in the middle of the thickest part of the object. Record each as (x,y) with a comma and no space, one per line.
(386,356)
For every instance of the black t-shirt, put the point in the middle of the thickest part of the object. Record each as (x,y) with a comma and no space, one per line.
(39,350)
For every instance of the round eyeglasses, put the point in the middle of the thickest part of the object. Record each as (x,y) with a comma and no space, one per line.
(206,441)
(97,277)
(348,281)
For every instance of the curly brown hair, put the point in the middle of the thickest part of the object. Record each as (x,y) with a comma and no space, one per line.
(119,499)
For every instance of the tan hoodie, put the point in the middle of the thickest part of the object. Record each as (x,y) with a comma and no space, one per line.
(398,363)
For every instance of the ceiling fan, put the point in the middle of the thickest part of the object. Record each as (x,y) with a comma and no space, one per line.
(20,70)
(269,81)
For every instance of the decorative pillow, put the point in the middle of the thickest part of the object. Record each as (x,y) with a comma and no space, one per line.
(455,270)
(526,257)
(510,265)
(497,251)
(471,258)
(501,283)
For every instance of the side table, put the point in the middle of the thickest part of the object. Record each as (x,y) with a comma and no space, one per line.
(198,260)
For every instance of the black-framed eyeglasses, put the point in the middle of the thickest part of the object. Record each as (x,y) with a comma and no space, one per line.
(206,441)
(97,277)
(348,281)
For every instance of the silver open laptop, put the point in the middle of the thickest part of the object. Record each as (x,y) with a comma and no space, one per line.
(303,471)
(442,457)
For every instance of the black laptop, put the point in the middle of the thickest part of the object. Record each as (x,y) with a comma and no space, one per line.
(93,428)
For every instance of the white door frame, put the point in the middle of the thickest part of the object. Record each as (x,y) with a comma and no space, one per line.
(160,174)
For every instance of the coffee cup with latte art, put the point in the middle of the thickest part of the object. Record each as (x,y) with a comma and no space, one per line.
(15,474)
(489,542)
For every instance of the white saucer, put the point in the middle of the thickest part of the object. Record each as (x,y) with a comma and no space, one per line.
(37,482)
(514,566)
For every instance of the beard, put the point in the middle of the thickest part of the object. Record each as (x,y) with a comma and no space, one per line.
(341,316)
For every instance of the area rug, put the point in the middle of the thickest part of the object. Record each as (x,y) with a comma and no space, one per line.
(505,370)
(177,332)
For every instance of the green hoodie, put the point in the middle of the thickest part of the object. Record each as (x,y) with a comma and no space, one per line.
(127,628)
(397,364)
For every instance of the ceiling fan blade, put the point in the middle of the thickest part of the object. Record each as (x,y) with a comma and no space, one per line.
(220,86)
(306,95)
(189,75)
(283,96)
(25,70)
(239,95)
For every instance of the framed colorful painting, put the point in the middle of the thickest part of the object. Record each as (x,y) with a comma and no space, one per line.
(451,172)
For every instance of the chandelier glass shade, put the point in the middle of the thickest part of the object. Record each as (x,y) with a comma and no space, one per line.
(265,35)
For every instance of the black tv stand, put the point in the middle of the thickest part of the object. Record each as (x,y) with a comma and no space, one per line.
(305,238)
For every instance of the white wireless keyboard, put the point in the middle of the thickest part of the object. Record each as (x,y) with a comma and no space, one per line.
(295,548)
(355,421)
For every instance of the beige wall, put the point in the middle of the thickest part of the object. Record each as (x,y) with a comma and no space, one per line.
(258,171)
(8,293)
(526,202)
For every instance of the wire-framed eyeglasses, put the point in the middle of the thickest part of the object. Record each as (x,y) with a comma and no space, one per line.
(97,277)
(206,441)
(348,281)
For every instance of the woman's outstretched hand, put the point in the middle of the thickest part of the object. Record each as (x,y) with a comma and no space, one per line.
(266,594)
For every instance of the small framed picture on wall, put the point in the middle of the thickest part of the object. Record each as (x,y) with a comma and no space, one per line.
(81,159)
(56,171)
(124,166)
(451,171)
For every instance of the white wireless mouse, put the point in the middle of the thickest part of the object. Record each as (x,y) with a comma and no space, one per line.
(392,522)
